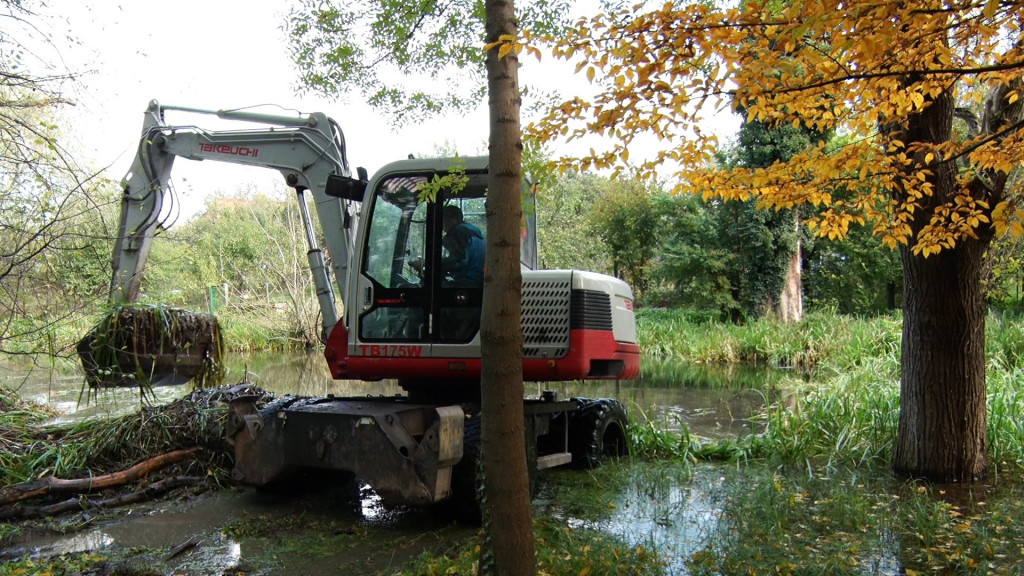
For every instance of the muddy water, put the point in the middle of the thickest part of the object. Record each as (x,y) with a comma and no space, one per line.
(232,531)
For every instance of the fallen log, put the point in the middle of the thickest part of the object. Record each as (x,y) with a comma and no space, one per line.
(51,485)
(82,504)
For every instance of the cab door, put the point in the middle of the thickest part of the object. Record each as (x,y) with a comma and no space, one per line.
(409,304)
(394,293)
(458,301)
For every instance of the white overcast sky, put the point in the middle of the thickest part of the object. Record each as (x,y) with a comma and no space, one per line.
(217,54)
(212,54)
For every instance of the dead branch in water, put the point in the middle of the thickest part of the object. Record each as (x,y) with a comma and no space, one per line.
(148,493)
(50,484)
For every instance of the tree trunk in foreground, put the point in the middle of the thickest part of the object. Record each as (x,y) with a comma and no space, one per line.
(508,546)
(942,424)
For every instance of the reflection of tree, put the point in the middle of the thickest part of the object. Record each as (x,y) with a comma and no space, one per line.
(52,220)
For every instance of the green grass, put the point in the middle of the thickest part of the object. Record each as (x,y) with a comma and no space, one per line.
(846,419)
(820,338)
(813,494)
(845,413)
(82,563)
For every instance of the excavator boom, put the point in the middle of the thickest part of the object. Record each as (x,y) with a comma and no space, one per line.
(307,150)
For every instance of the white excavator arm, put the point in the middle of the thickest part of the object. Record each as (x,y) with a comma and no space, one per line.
(308,150)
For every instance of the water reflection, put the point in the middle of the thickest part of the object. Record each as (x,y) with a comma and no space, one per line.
(711,401)
(664,506)
(301,374)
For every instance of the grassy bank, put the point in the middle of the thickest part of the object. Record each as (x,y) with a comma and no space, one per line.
(820,340)
(845,412)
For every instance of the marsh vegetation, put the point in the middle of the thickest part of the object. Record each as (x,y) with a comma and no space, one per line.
(802,487)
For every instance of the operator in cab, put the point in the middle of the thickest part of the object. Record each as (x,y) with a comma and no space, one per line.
(462,260)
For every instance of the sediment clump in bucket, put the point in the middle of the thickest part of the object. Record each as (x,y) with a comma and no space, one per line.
(144,346)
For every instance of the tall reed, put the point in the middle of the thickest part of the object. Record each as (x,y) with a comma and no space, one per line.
(821,338)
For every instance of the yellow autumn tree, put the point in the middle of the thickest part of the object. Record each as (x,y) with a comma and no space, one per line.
(929,93)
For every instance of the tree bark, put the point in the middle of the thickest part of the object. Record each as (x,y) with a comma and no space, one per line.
(942,422)
(508,545)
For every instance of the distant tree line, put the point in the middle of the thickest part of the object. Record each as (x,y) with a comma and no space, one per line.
(721,260)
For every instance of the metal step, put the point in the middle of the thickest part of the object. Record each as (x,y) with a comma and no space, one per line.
(552,460)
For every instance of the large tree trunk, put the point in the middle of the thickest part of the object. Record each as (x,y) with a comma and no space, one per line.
(508,546)
(942,422)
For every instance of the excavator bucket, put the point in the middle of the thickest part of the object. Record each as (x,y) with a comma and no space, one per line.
(145,346)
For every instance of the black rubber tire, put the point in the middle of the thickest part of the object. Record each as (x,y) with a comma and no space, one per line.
(598,431)
(464,501)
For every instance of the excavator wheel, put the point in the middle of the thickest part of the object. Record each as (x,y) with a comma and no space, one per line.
(598,431)
(467,476)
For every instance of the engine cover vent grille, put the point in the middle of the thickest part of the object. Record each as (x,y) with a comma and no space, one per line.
(591,310)
(545,313)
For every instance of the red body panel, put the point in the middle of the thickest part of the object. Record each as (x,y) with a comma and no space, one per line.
(403,361)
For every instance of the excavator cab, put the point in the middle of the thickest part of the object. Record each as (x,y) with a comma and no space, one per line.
(415,275)
(418,284)
(414,298)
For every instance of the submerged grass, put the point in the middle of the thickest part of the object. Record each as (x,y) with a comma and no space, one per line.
(847,413)
(810,494)
(813,493)
(852,521)
(561,549)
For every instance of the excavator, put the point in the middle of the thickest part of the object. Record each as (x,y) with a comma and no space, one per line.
(391,309)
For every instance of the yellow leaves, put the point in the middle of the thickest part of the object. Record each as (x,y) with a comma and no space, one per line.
(508,43)
(808,65)
(916,100)
(834,224)
(951,223)
(990,8)
(1007,218)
